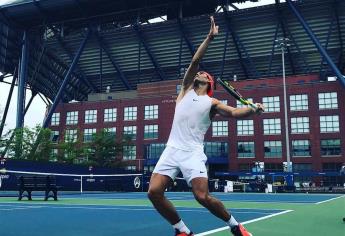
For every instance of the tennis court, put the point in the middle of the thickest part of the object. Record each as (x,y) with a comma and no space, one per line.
(132,214)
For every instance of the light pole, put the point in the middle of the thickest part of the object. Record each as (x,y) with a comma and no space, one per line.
(283,43)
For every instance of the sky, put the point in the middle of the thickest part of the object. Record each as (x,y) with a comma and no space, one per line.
(35,114)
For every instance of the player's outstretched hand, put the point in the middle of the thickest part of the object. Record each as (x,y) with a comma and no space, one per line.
(214,29)
(260,108)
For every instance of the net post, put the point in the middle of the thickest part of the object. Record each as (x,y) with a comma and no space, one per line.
(81,184)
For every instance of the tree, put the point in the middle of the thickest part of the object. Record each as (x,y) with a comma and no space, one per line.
(106,149)
(18,143)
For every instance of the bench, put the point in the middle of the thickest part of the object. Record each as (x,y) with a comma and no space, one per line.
(29,183)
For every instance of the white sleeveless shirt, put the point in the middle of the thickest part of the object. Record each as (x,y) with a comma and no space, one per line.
(191,121)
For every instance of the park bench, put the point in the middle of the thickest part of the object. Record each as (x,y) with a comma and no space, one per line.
(28,183)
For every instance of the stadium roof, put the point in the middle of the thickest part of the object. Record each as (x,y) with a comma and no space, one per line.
(124,48)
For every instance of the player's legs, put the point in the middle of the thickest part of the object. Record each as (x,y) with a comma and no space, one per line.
(158,184)
(216,207)
(201,194)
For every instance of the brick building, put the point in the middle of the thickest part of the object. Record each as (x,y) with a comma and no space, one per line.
(316,116)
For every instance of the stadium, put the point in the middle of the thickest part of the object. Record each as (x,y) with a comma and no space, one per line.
(110,72)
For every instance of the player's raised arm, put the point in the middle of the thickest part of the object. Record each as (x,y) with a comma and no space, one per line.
(194,65)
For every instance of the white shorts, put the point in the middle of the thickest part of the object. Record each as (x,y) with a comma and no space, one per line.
(190,163)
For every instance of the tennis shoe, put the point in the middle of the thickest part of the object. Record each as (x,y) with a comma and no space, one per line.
(239,230)
(178,233)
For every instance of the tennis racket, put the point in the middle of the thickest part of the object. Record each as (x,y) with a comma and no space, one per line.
(236,94)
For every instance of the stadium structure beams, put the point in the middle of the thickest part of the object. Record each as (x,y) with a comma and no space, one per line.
(188,42)
(9,97)
(255,28)
(37,70)
(316,42)
(61,67)
(65,48)
(283,27)
(103,44)
(44,99)
(9,141)
(272,51)
(323,71)
(245,60)
(81,76)
(38,64)
(33,95)
(66,80)
(50,85)
(341,64)
(224,53)
(22,81)
(147,48)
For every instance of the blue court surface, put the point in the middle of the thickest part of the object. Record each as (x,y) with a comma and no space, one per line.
(39,218)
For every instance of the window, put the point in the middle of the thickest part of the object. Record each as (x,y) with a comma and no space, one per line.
(330,147)
(154,150)
(130,113)
(328,100)
(274,167)
(272,126)
(72,118)
(216,149)
(110,131)
(110,114)
(273,148)
(240,105)
(71,135)
(301,148)
(224,101)
(151,112)
(55,119)
(150,131)
(55,136)
(89,135)
(299,102)
(245,167)
(301,167)
(129,152)
(220,128)
(245,127)
(130,131)
(245,149)
(132,168)
(272,104)
(299,125)
(178,88)
(329,124)
(53,155)
(332,166)
(90,116)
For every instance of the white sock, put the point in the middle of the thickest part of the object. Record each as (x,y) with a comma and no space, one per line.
(181,227)
(232,222)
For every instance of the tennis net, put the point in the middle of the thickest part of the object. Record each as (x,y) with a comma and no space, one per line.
(75,183)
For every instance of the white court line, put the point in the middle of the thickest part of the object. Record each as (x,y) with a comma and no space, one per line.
(19,208)
(329,200)
(243,223)
(125,208)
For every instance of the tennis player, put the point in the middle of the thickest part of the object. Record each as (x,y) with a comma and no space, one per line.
(194,111)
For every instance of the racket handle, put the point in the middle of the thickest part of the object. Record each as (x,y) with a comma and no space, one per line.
(254,106)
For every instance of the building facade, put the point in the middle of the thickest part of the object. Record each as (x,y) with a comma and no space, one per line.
(316,117)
